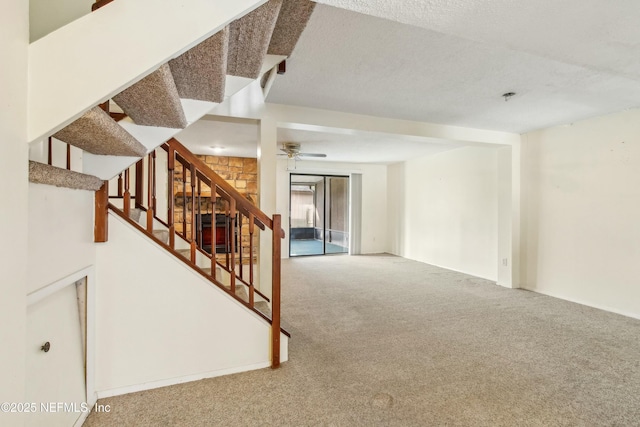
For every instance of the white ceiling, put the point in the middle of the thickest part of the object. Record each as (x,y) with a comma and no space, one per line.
(362,147)
(448,62)
(567,61)
(239,138)
(233,137)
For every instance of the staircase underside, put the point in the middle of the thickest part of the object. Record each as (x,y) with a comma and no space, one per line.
(249,40)
(41,173)
(97,133)
(154,101)
(293,19)
(200,73)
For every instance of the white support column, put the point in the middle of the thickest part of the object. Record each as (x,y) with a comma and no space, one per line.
(267,150)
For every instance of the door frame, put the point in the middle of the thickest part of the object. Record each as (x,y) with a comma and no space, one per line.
(324,216)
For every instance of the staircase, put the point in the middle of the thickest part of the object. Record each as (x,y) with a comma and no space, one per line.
(121,137)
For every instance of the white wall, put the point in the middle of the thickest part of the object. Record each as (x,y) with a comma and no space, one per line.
(14,38)
(444,210)
(158,322)
(374,198)
(582,211)
(47,16)
(60,233)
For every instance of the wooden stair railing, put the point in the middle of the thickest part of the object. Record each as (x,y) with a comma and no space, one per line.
(232,249)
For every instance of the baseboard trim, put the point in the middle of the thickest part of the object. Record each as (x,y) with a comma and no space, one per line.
(457,271)
(179,380)
(585,303)
(83,416)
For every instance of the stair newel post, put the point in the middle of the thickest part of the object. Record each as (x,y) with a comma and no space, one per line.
(101,229)
(275,291)
(232,244)
(192,176)
(149,194)
(126,197)
(171,164)
(139,183)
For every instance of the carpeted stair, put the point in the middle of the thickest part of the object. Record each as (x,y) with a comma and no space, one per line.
(293,19)
(98,133)
(200,73)
(40,173)
(249,40)
(154,101)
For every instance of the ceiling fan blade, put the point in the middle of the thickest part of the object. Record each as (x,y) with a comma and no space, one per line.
(311,155)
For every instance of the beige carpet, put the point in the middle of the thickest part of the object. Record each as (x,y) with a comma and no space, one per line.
(380,340)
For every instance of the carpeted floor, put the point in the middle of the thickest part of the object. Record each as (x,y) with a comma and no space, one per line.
(383,341)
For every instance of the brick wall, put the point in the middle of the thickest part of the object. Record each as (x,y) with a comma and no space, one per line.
(240,172)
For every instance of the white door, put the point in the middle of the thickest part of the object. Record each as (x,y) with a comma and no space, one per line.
(56,378)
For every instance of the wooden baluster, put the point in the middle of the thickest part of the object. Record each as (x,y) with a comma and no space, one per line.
(240,243)
(120,185)
(149,194)
(214,230)
(126,198)
(199,216)
(139,183)
(275,291)
(171,164)
(68,157)
(184,202)
(227,247)
(193,213)
(101,230)
(251,231)
(232,244)
(152,167)
(50,151)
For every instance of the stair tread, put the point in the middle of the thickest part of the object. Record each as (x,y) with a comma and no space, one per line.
(292,20)
(97,133)
(41,173)
(154,101)
(200,73)
(249,39)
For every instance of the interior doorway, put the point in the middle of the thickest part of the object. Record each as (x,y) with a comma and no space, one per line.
(319,215)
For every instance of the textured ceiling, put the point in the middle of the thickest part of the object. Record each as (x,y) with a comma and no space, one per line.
(235,138)
(566,60)
(240,139)
(362,147)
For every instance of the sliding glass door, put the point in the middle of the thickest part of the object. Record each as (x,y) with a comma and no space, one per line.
(319,215)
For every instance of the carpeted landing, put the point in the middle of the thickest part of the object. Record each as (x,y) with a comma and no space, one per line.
(380,340)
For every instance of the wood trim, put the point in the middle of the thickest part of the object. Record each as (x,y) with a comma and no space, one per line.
(100,3)
(139,182)
(101,229)
(276,244)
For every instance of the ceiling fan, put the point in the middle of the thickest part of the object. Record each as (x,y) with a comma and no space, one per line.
(292,151)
